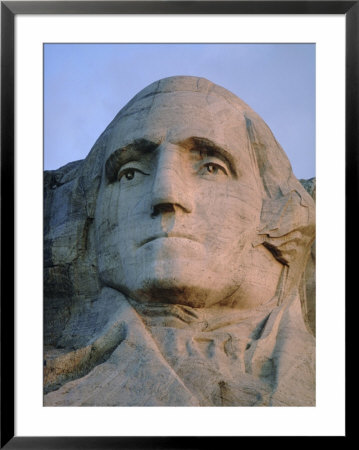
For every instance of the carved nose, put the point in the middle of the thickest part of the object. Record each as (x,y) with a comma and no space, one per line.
(160,208)
(170,189)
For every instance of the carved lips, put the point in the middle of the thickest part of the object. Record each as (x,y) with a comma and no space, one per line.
(168,235)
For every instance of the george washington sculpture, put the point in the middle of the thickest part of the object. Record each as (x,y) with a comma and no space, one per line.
(175,256)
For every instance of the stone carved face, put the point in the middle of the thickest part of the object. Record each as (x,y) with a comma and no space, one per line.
(180,205)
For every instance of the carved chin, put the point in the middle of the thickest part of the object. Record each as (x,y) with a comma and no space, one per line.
(172,291)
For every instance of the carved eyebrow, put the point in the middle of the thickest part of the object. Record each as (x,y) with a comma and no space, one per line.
(140,147)
(131,152)
(212,149)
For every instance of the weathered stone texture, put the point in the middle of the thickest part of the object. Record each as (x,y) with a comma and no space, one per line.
(138,314)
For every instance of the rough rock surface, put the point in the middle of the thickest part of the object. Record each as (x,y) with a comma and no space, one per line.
(160,323)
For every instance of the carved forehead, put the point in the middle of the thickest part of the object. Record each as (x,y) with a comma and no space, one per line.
(191,85)
(180,107)
(175,109)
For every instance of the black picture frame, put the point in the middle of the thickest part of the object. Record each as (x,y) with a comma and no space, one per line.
(9,9)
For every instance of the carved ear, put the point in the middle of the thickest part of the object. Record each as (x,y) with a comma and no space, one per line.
(287,227)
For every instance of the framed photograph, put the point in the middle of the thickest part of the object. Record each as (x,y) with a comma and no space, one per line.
(172,81)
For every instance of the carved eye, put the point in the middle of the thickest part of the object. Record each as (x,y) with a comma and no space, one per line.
(213,169)
(129,174)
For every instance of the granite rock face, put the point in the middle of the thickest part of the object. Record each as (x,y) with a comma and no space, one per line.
(179,264)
